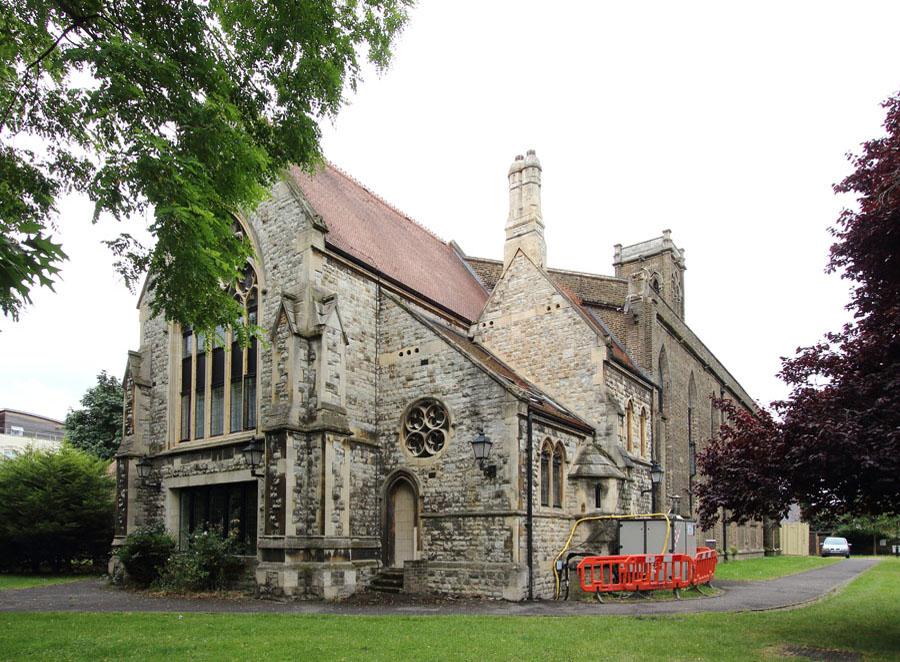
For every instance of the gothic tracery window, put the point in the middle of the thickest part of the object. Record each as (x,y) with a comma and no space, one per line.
(218,378)
(426,428)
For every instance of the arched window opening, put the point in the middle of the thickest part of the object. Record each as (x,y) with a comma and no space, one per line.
(662,374)
(691,402)
(545,475)
(629,424)
(206,395)
(643,432)
(558,474)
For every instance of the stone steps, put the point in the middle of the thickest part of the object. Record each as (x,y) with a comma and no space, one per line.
(389,580)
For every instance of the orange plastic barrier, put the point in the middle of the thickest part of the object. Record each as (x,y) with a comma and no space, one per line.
(663,571)
(600,574)
(646,572)
(704,565)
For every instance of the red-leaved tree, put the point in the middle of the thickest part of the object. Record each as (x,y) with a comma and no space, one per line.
(836,447)
(741,468)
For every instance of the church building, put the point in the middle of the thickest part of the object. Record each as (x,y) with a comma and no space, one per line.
(412,407)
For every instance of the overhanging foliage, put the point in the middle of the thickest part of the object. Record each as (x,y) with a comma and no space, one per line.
(186,107)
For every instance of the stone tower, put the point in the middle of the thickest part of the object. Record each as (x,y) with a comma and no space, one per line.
(525,225)
(654,267)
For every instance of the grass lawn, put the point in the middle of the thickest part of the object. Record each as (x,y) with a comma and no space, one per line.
(770,567)
(864,618)
(30,581)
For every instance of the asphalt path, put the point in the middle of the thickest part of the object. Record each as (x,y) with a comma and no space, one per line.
(96,596)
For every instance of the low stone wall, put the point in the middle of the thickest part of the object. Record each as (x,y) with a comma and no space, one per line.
(498,581)
(313,581)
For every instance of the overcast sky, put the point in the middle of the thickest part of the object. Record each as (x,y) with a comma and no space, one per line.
(724,122)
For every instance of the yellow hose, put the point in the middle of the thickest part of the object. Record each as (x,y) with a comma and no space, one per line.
(599,517)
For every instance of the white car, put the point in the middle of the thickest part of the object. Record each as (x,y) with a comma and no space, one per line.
(836,547)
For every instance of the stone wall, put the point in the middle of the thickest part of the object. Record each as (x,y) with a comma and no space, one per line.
(538,332)
(415,363)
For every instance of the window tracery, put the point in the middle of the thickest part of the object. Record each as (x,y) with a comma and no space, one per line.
(426,428)
(218,377)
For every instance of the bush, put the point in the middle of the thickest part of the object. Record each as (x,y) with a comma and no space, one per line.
(145,552)
(55,508)
(210,562)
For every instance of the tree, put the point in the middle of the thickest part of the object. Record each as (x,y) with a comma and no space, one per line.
(55,507)
(836,448)
(97,427)
(741,468)
(189,107)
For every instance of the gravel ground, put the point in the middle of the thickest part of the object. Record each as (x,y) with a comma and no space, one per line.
(95,595)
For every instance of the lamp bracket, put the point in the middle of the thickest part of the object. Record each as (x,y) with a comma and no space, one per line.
(490,471)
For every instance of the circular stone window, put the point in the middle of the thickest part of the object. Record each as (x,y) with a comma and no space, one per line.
(426,428)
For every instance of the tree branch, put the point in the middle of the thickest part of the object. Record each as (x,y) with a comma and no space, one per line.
(75,24)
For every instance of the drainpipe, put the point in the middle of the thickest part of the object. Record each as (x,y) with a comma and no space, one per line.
(530,508)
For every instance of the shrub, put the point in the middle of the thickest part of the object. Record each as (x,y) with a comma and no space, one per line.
(210,562)
(145,552)
(55,508)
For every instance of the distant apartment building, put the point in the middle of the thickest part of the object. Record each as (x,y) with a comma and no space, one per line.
(19,430)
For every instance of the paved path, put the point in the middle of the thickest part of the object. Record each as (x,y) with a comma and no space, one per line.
(96,595)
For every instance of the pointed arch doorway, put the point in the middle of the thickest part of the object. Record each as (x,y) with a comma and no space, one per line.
(401,515)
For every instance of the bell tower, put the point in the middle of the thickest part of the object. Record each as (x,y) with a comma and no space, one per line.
(659,264)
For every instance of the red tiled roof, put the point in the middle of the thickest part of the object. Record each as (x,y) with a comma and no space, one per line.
(364,226)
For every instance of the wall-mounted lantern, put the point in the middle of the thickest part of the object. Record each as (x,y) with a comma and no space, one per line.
(144,468)
(253,455)
(481,446)
(656,474)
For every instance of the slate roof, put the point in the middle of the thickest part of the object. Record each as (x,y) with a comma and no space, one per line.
(365,227)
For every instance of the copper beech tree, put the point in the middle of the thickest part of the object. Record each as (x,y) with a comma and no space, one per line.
(835,445)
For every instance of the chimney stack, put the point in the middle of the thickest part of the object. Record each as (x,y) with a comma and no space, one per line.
(525,225)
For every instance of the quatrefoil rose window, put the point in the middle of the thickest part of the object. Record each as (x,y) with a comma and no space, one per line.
(426,428)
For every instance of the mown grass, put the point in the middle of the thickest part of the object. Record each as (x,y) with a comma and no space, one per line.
(770,567)
(862,618)
(32,581)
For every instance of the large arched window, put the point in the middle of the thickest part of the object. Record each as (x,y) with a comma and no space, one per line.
(210,393)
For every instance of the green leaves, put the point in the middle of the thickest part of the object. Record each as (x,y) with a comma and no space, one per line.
(186,107)
(54,507)
(97,427)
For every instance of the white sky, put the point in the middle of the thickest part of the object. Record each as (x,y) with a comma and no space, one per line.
(726,123)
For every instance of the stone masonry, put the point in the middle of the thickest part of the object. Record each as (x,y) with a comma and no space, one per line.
(375,376)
